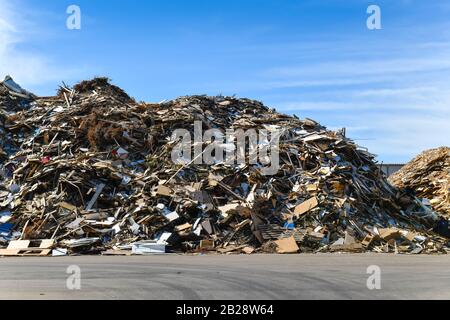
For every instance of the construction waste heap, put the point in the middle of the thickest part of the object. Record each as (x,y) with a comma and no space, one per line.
(428,176)
(89,171)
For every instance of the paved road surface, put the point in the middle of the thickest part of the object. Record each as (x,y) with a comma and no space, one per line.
(324,276)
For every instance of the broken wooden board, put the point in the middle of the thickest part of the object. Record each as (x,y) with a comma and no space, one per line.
(68,206)
(352,247)
(117,253)
(248,250)
(28,248)
(164,191)
(389,233)
(25,244)
(206,244)
(306,206)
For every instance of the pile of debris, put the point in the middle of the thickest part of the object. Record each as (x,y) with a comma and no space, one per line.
(91,171)
(428,175)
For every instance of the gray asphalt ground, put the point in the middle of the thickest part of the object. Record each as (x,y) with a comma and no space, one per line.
(232,277)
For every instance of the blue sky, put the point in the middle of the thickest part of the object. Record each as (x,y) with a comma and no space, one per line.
(390,88)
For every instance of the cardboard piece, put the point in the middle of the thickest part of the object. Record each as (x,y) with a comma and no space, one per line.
(305,206)
(389,233)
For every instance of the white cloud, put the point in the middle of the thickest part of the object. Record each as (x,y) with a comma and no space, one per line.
(398,106)
(400,138)
(7,30)
(432,100)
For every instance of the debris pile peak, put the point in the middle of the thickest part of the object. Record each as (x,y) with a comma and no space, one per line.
(102,86)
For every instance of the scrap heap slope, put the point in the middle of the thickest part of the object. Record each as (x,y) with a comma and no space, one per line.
(91,170)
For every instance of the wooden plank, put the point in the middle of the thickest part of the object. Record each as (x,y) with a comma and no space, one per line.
(25,252)
(47,244)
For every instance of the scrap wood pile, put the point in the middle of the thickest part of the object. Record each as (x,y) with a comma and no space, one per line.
(90,171)
(12,98)
(428,175)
